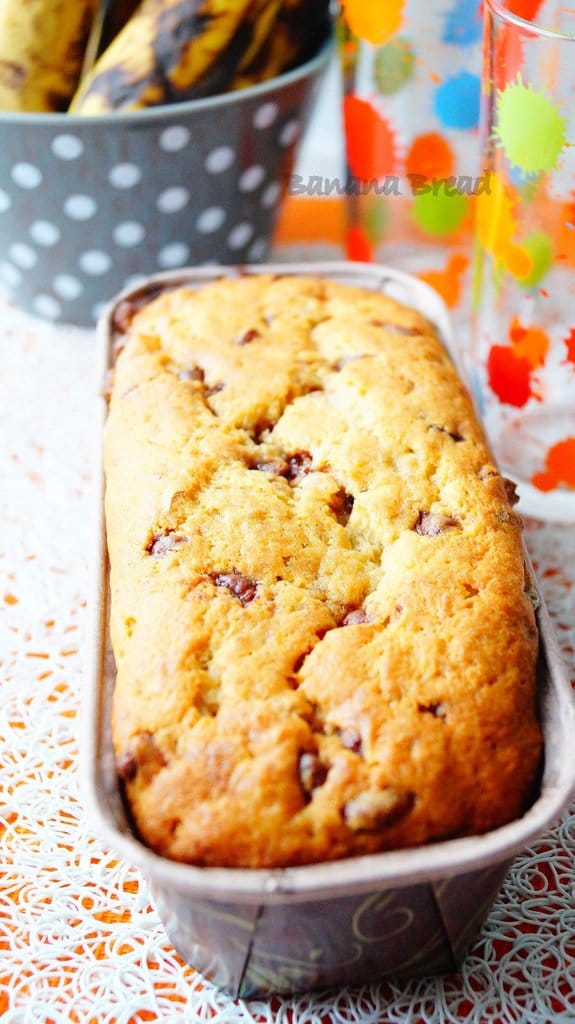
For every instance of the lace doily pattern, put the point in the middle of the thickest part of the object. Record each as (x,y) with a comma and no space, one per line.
(80,941)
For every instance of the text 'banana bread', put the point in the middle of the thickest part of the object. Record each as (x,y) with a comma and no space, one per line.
(320,619)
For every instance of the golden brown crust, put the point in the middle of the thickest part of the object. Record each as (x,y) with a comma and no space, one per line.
(323,641)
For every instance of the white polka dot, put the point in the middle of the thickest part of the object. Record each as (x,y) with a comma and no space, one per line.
(80,207)
(125,176)
(220,159)
(5,201)
(173,199)
(10,275)
(240,235)
(95,262)
(26,175)
(210,219)
(134,281)
(67,147)
(23,255)
(98,309)
(289,133)
(47,305)
(129,233)
(266,115)
(258,249)
(43,232)
(174,138)
(67,287)
(173,255)
(251,178)
(271,195)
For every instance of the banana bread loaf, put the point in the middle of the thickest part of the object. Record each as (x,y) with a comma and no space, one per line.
(320,620)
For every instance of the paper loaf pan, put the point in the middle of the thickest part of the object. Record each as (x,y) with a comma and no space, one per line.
(258,932)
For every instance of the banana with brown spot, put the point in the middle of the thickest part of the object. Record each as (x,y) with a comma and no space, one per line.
(41,52)
(299,29)
(174,50)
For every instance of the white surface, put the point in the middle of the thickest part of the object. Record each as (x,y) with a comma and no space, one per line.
(321,150)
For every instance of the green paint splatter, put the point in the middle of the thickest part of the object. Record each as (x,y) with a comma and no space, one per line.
(539,247)
(529,128)
(393,66)
(375,219)
(439,214)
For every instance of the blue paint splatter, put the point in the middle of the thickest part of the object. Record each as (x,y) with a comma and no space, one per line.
(456,102)
(463,25)
(519,177)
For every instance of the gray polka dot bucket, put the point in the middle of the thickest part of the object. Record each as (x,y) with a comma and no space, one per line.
(90,204)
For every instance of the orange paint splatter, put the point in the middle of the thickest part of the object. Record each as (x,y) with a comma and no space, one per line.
(530,343)
(357,246)
(517,260)
(509,376)
(495,221)
(430,155)
(10,599)
(570,343)
(526,9)
(559,467)
(373,21)
(565,233)
(496,226)
(370,142)
(448,281)
(508,56)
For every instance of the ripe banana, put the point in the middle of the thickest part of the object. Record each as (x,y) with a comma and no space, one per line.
(299,29)
(173,50)
(41,51)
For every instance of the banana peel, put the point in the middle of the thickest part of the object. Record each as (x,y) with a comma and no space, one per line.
(296,35)
(175,50)
(100,56)
(42,45)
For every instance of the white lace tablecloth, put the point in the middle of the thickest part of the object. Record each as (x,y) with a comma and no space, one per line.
(79,940)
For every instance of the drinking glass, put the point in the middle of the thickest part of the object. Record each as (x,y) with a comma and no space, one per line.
(523,348)
(411,75)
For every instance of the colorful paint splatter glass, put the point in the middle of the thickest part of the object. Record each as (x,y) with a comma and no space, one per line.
(524,284)
(412,72)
